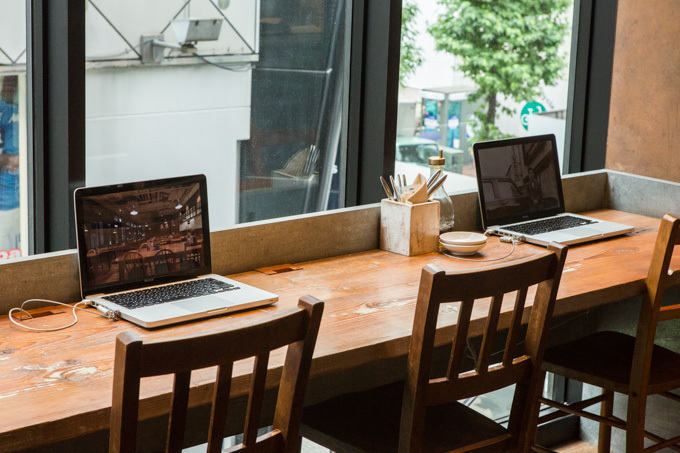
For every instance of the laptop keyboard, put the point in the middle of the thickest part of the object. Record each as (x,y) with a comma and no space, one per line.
(169,293)
(547,225)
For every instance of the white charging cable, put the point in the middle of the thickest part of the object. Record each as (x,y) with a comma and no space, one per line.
(103,311)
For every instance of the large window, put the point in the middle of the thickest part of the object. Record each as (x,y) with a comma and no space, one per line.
(249,93)
(474,71)
(13,168)
(290,110)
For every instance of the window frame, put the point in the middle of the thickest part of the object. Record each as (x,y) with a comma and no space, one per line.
(590,78)
(373,98)
(56,120)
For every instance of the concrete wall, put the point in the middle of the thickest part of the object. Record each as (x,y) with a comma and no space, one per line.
(643,195)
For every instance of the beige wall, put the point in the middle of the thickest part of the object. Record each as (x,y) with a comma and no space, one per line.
(644,121)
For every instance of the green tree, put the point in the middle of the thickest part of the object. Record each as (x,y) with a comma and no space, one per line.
(410,55)
(506,47)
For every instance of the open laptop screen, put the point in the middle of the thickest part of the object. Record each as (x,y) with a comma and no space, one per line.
(130,235)
(518,179)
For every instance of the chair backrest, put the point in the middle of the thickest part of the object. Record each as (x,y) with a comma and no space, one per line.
(134,265)
(296,327)
(472,289)
(162,261)
(659,279)
(191,259)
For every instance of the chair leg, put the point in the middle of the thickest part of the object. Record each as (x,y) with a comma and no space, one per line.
(532,422)
(635,423)
(606,410)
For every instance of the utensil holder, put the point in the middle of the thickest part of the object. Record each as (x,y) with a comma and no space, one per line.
(409,229)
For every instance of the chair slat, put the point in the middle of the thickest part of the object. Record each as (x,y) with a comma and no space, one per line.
(460,338)
(489,334)
(515,326)
(218,416)
(178,412)
(256,397)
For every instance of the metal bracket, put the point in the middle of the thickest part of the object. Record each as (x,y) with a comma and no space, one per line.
(151,54)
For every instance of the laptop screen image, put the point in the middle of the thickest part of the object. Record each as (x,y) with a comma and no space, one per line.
(519,179)
(133,235)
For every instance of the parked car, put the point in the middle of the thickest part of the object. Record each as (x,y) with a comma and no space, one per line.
(419,150)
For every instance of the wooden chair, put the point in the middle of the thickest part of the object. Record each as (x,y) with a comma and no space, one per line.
(95,265)
(633,366)
(135,359)
(423,414)
(162,262)
(133,263)
(191,260)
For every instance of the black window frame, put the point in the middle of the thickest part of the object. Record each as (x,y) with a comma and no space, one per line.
(590,78)
(56,120)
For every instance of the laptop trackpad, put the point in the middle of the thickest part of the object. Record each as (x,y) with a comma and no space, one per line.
(202,304)
(582,231)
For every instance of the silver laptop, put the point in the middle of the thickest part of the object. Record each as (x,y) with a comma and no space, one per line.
(520,194)
(144,251)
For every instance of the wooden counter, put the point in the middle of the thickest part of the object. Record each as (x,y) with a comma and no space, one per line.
(57,385)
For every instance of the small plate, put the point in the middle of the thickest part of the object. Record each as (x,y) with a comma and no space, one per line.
(463,249)
(462,238)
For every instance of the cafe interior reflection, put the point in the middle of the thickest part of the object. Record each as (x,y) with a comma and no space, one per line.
(143,234)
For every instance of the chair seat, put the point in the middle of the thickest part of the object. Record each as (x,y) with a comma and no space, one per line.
(369,422)
(604,359)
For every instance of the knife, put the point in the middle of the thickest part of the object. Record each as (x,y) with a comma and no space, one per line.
(433,178)
(435,185)
(388,192)
(395,189)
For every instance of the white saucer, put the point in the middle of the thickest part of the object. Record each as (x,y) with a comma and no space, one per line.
(464,238)
(463,249)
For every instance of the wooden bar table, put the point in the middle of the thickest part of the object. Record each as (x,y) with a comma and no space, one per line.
(57,385)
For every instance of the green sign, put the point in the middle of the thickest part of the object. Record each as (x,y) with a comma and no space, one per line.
(528,109)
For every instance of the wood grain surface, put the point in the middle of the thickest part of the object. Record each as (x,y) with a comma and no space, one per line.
(57,385)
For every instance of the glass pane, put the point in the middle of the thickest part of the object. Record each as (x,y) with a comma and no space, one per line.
(13,189)
(247,93)
(473,71)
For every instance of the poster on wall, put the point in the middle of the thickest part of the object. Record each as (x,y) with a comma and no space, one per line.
(10,218)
